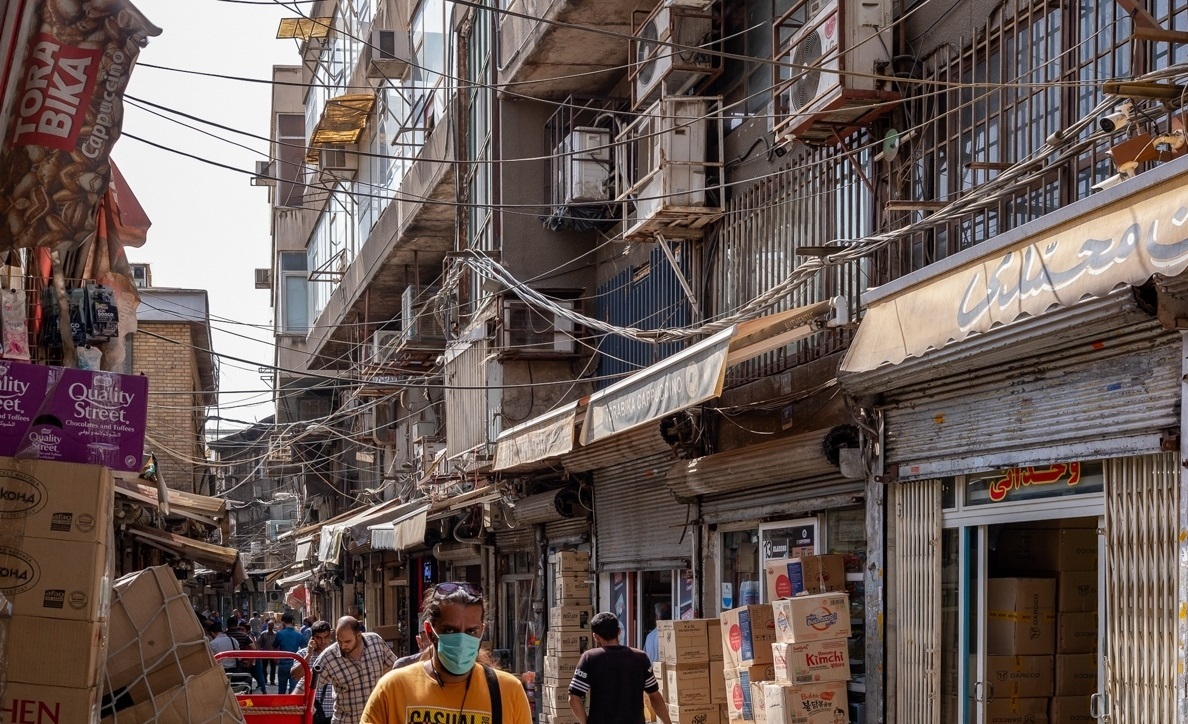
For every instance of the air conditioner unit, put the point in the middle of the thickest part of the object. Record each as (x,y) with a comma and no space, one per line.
(657,67)
(263,175)
(264,279)
(425,451)
(584,165)
(390,55)
(419,320)
(383,346)
(844,46)
(376,424)
(527,330)
(338,160)
(142,275)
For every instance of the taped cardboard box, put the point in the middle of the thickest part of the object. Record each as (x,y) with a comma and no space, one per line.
(1070,710)
(57,579)
(1076,674)
(812,661)
(185,662)
(660,673)
(1020,676)
(758,703)
(824,703)
(150,616)
(688,683)
(51,652)
(559,667)
(40,704)
(688,714)
(683,641)
(1076,633)
(564,562)
(1022,616)
(1076,591)
(747,635)
(574,617)
(717,683)
(572,588)
(568,643)
(817,617)
(1004,710)
(56,501)
(789,577)
(713,633)
(555,696)
(1048,550)
(739,687)
(203,699)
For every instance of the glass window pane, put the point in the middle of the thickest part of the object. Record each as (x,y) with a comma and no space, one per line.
(740,574)
(296,303)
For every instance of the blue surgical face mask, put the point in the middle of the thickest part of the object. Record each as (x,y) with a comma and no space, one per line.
(457,652)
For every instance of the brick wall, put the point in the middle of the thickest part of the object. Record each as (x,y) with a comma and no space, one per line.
(174,425)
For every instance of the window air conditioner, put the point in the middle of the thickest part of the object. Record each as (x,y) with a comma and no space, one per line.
(263,175)
(264,278)
(844,46)
(383,346)
(339,160)
(528,331)
(583,165)
(657,67)
(419,320)
(389,55)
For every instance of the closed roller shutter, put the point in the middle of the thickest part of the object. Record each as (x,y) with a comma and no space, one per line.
(571,531)
(516,541)
(638,523)
(786,499)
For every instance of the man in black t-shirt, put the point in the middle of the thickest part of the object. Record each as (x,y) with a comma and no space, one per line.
(614,678)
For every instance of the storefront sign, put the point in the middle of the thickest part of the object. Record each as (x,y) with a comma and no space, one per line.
(1058,479)
(1123,243)
(544,437)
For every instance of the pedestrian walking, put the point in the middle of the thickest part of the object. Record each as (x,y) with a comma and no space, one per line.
(287,639)
(319,641)
(221,642)
(352,666)
(451,684)
(411,659)
(244,642)
(614,678)
(307,628)
(255,624)
(267,642)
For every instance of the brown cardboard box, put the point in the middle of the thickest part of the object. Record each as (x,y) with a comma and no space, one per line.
(571,616)
(555,696)
(560,667)
(738,689)
(1076,633)
(566,642)
(572,588)
(1003,710)
(57,579)
(747,635)
(758,703)
(1076,674)
(1076,591)
(150,615)
(185,662)
(1022,616)
(688,684)
(58,501)
(812,661)
(688,714)
(1020,677)
(1049,550)
(56,653)
(824,703)
(713,632)
(661,673)
(717,683)
(205,697)
(789,577)
(570,562)
(683,641)
(1070,710)
(817,617)
(41,704)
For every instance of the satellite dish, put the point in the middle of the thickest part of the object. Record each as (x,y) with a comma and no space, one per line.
(890,144)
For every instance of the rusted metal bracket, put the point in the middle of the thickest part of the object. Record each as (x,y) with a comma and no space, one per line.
(680,275)
(1146,27)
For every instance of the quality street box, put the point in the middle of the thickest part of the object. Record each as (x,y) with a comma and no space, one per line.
(56,579)
(1022,614)
(41,704)
(572,617)
(824,703)
(52,652)
(739,704)
(747,635)
(23,388)
(1020,676)
(812,618)
(683,641)
(96,418)
(812,661)
(60,501)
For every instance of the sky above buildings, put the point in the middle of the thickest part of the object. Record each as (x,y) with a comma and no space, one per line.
(210,226)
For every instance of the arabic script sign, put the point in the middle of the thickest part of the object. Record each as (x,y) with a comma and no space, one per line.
(1058,479)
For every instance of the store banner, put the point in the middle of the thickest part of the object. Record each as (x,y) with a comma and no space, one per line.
(67,113)
(687,378)
(1125,242)
(538,439)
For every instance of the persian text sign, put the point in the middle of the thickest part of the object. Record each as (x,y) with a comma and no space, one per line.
(1056,480)
(1123,243)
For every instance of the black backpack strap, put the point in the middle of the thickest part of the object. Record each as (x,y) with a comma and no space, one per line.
(496,698)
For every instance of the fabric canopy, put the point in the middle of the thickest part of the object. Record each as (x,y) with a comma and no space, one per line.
(217,558)
(304,28)
(403,533)
(342,121)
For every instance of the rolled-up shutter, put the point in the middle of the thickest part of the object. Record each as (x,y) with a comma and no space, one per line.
(571,531)
(639,525)
(517,540)
(786,499)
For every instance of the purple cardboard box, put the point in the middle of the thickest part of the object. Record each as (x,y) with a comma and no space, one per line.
(96,418)
(22,390)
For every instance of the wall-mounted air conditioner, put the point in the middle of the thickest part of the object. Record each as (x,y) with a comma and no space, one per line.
(376,424)
(668,55)
(263,175)
(264,278)
(419,319)
(339,160)
(845,48)
(142,275)
(390,55)
(383,346)
(527,330)
(583,165)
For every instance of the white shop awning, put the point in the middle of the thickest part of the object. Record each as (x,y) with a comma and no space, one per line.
(407,531)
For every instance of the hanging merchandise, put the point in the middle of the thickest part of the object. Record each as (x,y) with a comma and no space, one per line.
(102,315)
(90,358)
(15,333)
(52,336)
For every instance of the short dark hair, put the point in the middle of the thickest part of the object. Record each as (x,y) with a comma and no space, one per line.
(321,627)
(606,625)
(214,627)
(232,622)
(255,613)
(287,618)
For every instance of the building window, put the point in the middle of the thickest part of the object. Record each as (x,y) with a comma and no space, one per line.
(294,293)
(290,159)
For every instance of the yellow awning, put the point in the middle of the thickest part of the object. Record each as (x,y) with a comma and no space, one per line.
(342,121)
(304,28)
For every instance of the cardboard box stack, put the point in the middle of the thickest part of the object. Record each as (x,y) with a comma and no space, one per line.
(694,685)
(812,660)
(788,577)
(568,635)
(159,667)
(55,570)
(1042,627)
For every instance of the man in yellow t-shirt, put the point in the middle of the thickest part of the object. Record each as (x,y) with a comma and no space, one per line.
(450,686)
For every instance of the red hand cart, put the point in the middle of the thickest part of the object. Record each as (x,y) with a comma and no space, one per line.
(276,708)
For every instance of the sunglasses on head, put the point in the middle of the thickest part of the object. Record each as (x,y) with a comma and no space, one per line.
(449,588)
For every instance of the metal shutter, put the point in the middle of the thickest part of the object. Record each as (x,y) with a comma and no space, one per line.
(639,525)
(786,499)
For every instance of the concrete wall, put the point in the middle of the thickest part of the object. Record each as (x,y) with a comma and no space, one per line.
(175,421)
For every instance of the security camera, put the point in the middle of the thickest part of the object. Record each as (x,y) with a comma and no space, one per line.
(1119,119)
(1110,183)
